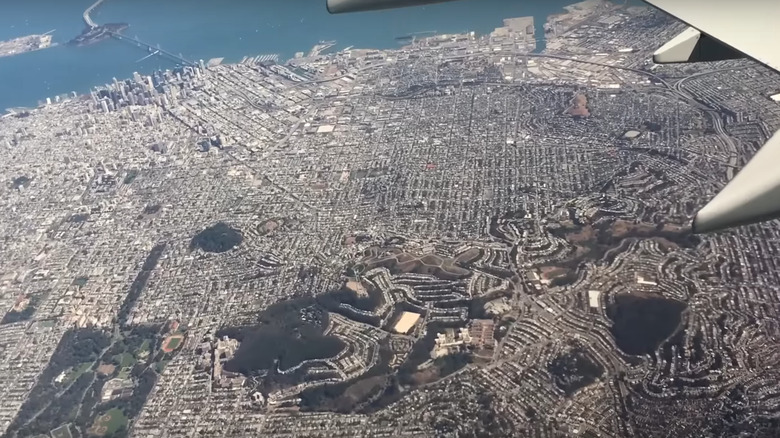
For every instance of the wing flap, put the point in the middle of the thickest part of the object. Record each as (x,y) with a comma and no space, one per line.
(693,46)
(748,26)
(753,195)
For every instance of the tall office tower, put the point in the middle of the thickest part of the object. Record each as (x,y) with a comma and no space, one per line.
(104,105)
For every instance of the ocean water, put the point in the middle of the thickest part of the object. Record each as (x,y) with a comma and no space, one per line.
(204,29)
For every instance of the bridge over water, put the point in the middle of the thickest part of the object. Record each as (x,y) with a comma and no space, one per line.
(135,41)
(87,19)
(152,49)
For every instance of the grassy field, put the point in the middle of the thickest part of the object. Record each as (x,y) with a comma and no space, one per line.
(108,423)
(173,342)
(125,359)
(143,350)
(124,373)
(76,372)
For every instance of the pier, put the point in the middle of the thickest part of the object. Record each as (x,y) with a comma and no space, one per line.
(260,59)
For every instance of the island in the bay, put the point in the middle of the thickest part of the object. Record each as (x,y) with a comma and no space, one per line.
(29,43)
(91,35)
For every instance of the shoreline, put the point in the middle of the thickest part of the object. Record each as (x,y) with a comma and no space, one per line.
(54,86)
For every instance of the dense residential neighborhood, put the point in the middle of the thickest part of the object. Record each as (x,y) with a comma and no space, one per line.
(465,236)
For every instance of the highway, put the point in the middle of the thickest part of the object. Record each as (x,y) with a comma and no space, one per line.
(717,120)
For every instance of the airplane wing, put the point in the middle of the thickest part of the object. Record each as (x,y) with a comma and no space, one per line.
(722,29)
(747,26)
(339,6)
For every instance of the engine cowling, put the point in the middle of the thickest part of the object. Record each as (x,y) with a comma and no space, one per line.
(340,6)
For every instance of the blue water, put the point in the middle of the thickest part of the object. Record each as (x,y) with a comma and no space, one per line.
(203,29)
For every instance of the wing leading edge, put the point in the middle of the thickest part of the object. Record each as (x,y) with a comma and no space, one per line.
(340,6)
(723,29)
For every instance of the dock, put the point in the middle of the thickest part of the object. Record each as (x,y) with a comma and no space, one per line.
(320,47)
(271,58)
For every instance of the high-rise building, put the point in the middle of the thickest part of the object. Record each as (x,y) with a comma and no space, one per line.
(104,105)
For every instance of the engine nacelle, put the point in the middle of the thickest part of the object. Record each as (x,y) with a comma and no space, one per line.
(339,6)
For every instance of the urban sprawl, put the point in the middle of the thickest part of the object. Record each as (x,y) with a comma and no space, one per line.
(460,237)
